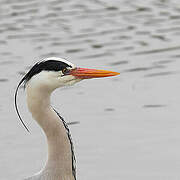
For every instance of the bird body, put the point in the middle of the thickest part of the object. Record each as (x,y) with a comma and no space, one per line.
(42,79)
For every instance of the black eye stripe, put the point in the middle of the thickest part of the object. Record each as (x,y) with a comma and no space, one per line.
(50,65)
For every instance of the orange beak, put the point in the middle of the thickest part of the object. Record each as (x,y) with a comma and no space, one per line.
(84,73)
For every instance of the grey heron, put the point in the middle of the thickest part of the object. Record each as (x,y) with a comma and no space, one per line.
(41,80)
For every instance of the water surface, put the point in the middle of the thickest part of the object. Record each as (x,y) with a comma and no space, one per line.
(129,125)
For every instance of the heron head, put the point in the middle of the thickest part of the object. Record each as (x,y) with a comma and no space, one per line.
(53,73)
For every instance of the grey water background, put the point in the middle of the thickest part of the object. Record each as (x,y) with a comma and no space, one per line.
(129,125)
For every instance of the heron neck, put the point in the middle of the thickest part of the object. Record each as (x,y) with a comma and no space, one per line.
(59,163)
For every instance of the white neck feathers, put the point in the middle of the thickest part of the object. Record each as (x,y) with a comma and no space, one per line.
(59,164)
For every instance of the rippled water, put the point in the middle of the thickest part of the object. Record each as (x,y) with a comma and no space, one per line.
(129,125)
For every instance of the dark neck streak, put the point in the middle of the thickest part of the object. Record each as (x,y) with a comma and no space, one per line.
(71,143)
(61,158)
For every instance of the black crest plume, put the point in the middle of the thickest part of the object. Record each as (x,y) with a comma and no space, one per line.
(15,102)
(49,65)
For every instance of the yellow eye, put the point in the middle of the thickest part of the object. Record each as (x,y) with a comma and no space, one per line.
(65,71)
